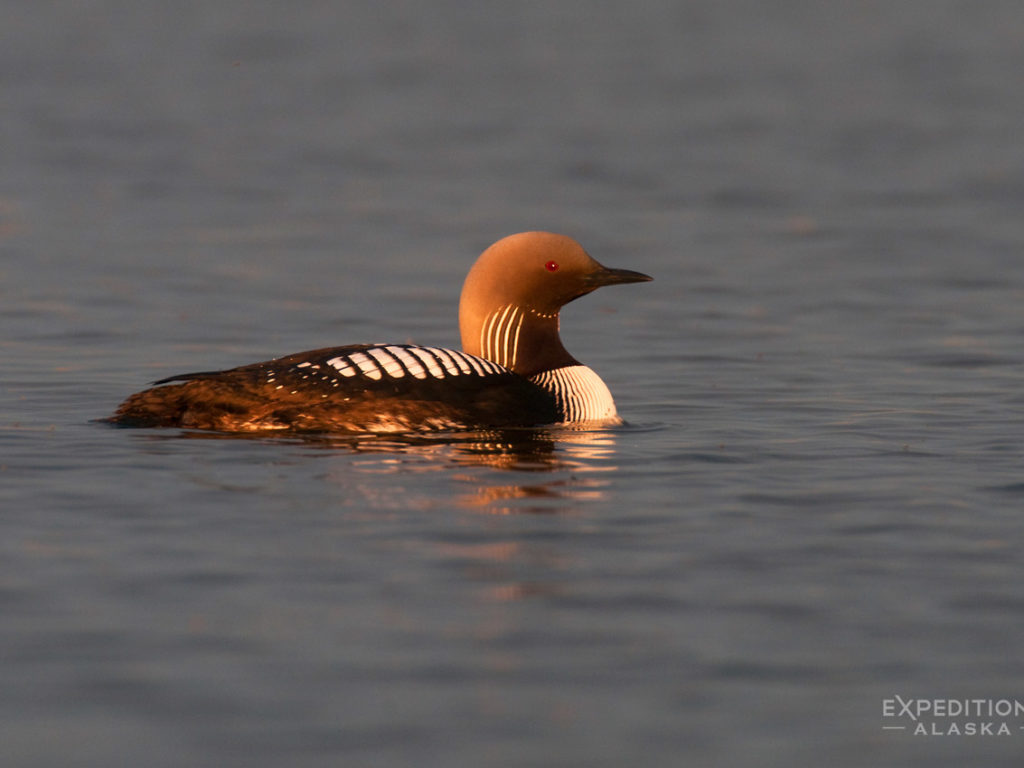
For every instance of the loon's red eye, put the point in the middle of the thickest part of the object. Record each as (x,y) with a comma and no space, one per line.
(551,266)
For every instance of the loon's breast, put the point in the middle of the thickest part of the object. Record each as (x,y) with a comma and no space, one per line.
(580,394)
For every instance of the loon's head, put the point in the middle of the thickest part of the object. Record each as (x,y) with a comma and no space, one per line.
(510,301)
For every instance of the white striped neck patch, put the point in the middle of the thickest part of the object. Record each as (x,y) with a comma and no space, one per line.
(499,335)
(580,393)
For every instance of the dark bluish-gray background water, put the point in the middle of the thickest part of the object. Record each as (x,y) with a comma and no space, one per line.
(816,505)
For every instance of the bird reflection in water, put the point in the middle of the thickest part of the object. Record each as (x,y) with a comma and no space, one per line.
(554,471)
(567,463)
(564,466)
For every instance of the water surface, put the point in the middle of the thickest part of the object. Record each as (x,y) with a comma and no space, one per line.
(815,504)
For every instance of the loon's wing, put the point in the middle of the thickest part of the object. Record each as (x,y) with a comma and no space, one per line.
(358,388)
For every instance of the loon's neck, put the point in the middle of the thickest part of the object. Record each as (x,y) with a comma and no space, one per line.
(527,342)
(519,338)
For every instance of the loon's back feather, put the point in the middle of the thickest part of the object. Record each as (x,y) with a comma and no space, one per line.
(356,388)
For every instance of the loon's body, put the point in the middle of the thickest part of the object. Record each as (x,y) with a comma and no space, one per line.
(513,370)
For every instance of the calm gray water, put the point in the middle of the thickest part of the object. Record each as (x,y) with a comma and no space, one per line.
(816,505)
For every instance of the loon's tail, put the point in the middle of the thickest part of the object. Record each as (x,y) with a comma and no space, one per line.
(156,407)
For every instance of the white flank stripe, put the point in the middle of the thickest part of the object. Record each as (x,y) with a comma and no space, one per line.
(477,364)
(446,358)
(366,365)
(410,362)
(428,360)
(460,360)
(392,366)
(342,364)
